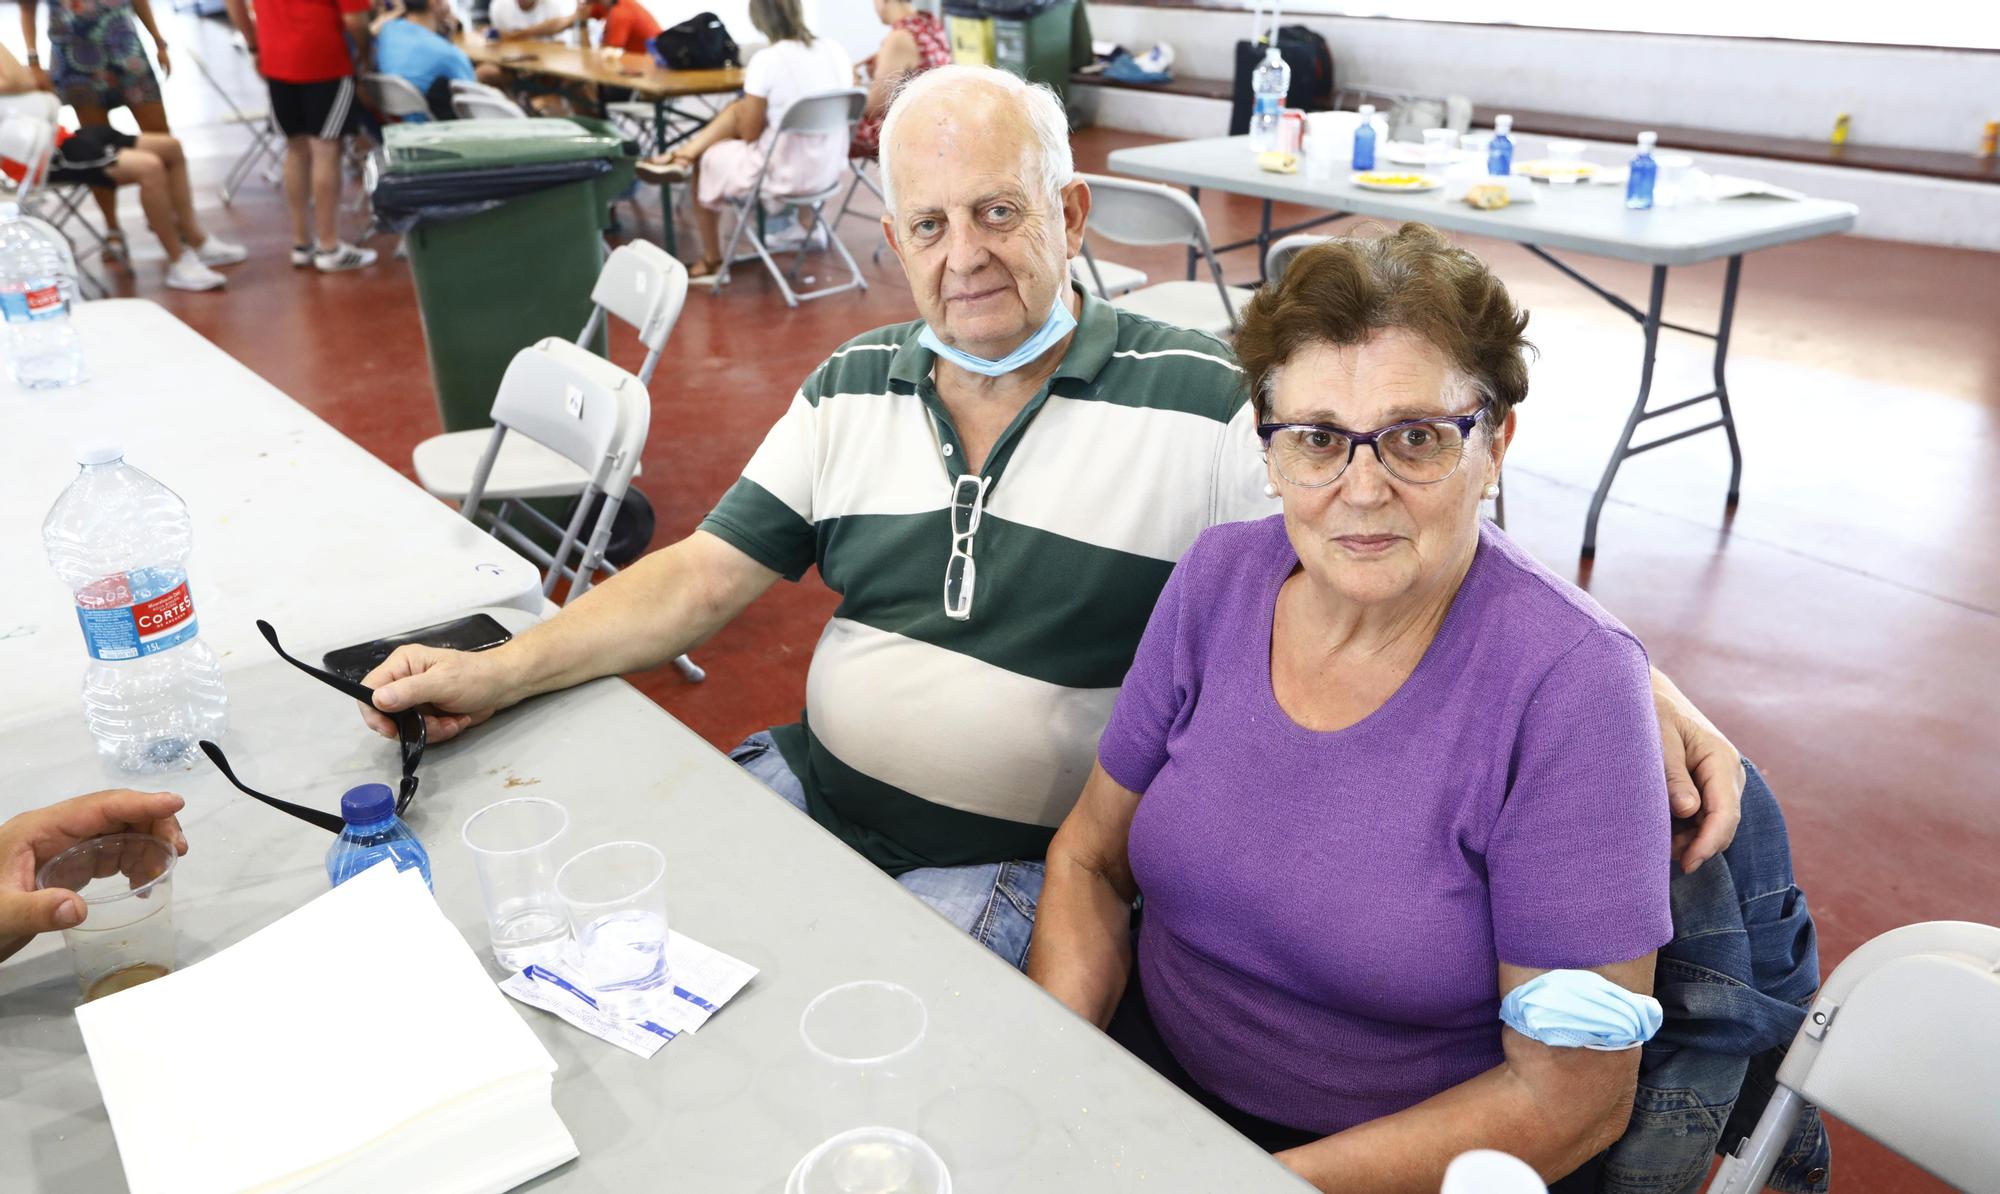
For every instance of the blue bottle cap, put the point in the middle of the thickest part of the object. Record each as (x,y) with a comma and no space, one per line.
(369,802)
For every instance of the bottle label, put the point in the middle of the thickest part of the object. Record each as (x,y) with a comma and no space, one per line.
(1268,104)
(140,628)
(40,299)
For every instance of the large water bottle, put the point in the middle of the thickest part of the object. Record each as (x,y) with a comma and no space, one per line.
(37,286)
(1270,83)
(120,540)
(373,833)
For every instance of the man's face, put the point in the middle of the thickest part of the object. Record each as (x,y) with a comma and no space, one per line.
(984,247)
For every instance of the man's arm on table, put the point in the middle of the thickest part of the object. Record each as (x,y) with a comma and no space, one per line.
(669,602)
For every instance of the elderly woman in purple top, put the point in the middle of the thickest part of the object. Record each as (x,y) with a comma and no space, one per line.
(1373,766)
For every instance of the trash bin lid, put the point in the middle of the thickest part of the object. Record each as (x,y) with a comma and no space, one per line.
(500,144)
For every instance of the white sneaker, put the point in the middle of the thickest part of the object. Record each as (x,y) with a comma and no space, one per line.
(343,257)
(188,273)
(302,256)
(789,239)
(215,251)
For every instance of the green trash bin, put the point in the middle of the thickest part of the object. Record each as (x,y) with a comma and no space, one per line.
(504,220)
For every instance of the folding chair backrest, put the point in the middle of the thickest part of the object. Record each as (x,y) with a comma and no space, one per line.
(1144,213)
(29,140)
(474,87)
(646,288)
(395,96)
(1910,1052)
(1279,259)
(573,402)
(472,105)
(825,112)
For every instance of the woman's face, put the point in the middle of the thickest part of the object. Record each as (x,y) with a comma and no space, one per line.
(1371,537)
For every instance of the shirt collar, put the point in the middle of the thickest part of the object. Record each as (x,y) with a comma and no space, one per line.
(1090,346)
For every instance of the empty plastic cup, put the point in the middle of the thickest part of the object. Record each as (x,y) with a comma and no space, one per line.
(513,846)
(863,1038)
(616,897)
(127,934)
(871,1161)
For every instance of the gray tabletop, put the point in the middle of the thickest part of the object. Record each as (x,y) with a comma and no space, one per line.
(1018,1094)
(1584,219)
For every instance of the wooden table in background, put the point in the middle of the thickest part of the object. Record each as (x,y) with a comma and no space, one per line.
(637,73)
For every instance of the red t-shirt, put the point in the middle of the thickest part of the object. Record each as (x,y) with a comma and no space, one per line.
(630,27)
(304,41)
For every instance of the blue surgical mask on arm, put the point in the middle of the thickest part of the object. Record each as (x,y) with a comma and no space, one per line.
(1060,323)
(1580,1008)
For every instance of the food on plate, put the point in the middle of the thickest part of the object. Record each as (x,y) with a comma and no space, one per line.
(1278,161)
(1488,196)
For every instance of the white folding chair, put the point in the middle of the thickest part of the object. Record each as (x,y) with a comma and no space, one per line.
(827,114)
(1108,278)
(266,148)
(1902,1045)
(1144,213)
(393,96)
(860,168)
(477,105)
(641,286)
(1279,257)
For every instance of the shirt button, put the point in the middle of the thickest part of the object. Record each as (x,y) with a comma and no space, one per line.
(947,449)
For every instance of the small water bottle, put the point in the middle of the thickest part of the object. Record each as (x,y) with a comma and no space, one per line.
(120,540)
(1639,182)
(37,286)
(373,832)
(1364,139)
(1270,83)
(1500,150)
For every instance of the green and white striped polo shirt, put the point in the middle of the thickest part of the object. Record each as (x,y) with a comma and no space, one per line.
(933,742)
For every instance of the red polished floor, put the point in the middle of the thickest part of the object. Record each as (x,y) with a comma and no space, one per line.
(1844,627)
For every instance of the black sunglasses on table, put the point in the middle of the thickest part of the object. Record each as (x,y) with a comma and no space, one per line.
(410,736)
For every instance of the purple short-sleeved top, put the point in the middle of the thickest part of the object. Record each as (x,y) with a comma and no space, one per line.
(1325,911)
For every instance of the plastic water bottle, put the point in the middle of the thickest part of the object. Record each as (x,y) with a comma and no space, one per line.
(373,832)
(37,286)
(1364,139)
(120,540)
(1500,150)
(1270,83)
(1639,182)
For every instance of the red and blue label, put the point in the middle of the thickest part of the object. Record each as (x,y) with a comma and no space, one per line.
(117,627)
(41,299)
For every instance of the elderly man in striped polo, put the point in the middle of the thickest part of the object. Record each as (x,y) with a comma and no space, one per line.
(997,491)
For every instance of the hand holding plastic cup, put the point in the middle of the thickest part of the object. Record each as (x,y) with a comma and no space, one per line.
(127,934)
(513,846)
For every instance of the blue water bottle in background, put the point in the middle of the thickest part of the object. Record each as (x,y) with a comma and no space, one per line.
(1639,183)
(1364,139)
(1500,150)
(373,832)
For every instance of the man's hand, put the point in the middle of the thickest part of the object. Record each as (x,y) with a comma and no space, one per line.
(166,63)
(34,837)
(456,689)
(1705,777)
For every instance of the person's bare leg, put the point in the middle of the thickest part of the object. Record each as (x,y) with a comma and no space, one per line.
(171,156)
(107,197)
(151,118)
(298,186)
(492,75)
(722,128)
(326,192)
(149,174)
(708,227)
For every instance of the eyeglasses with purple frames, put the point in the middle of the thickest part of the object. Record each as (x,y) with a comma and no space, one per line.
(1418,451)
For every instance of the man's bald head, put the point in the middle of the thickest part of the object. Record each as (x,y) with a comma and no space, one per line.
(981,103)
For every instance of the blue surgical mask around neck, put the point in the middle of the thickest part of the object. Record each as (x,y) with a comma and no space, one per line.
(1060,323)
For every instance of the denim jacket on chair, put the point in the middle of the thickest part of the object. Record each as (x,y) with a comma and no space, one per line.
(1734,983)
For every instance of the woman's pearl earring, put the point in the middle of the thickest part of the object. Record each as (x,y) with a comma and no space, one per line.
(1270,490)
(1492,490)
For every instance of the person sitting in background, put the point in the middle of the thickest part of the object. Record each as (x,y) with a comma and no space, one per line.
(100,156)
(412,46)
(724,158)
(1381,778)
(627,25)
(528,20)
(31,839)
(915,43)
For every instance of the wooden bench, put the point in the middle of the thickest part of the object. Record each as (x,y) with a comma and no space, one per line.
(1927,163)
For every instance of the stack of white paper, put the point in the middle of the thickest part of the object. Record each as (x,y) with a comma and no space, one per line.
(355,1045)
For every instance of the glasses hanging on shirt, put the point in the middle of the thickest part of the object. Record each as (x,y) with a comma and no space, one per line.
(410,736)
(968,503)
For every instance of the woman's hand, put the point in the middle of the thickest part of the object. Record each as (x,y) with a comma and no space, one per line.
(1081,952)
(42,80)
(166,63)
(1705,777)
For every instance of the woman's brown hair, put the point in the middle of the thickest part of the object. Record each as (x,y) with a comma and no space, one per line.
(780,20)
(1348,290)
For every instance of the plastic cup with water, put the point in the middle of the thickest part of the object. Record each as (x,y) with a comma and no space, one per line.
(871,1161)
(513,846)
(616,897)
(127,934)
(864,1039)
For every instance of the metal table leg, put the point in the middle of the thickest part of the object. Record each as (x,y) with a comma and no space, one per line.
(1194,193)
(1735,273)
(1651,324)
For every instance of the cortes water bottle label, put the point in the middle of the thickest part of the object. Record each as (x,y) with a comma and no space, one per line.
(140,629)
(38,300)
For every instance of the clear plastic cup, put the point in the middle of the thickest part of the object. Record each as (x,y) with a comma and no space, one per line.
(1440,145)
(513,846)
(616,897)
(1565,150)
(127,935)
(863,1038)
(871,1161)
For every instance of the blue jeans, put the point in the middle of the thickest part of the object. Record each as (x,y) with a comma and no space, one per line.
(994,901)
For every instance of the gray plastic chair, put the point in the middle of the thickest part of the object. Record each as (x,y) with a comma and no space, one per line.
(473,105)
(1279,257)
(827,114)
(1145,213)
(394,96)
(1108,278)
(1902,1045)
